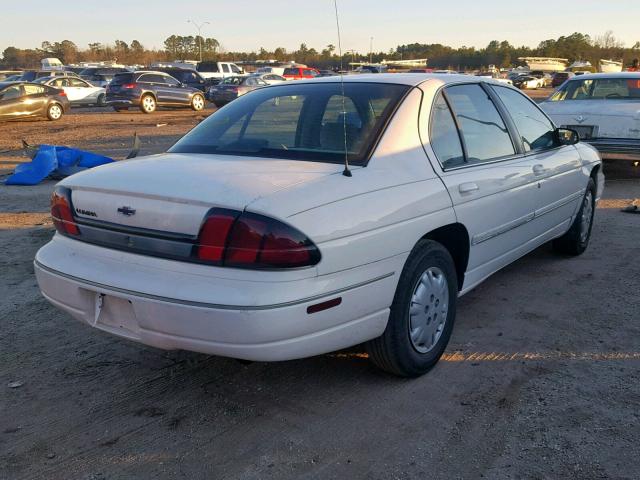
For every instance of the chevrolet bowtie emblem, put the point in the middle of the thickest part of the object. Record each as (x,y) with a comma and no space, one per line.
(128,211)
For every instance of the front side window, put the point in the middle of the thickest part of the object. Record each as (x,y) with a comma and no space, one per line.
(485,134)
(10,93)
(299,122)
(168,79)
(76,82)
(235,69)
(444,136)
(535,129)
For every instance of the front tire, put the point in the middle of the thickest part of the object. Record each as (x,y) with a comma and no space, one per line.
(576,240)
(148,104)
(422,314)
(102,100)
(54,112)
(197,102)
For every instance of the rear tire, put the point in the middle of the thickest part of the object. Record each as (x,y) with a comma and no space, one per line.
(55,111)
(148,104)
(197,102)
(422,314)
(576,240)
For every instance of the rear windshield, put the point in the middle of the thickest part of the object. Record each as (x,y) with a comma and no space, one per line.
(208,67)
(122,78)
(310,122)
(599,89)
(231,81)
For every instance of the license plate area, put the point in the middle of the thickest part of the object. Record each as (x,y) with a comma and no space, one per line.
(116,315)
(586,132)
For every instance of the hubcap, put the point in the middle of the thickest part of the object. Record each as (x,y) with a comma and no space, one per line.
(428,309)
(197,102)
(54,111)
(587,213)
(149,103)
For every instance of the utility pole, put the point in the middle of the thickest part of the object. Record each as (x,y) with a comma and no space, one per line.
(199,28)
(371,50)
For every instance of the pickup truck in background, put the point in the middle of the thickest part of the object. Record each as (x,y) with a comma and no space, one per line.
(217,71)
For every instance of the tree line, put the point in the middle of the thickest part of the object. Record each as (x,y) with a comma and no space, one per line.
(576,46)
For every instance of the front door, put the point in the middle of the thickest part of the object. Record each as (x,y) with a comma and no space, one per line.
(556,168)
(490,182)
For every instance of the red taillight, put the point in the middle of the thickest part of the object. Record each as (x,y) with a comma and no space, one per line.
(129,85)
(249,240)
(61,212)
(62,93)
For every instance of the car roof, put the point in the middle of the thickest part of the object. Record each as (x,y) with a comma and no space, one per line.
(18,82)
(587,76)
(411,79)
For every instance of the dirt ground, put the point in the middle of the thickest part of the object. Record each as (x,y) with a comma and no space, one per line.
(541,379)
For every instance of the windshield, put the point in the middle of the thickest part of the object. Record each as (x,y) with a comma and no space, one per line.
(300,122)
(599,89)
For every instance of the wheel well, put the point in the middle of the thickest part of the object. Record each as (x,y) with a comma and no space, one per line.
(148,94)
(594,173)
(455,238)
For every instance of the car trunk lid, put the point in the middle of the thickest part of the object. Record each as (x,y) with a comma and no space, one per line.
(173,192)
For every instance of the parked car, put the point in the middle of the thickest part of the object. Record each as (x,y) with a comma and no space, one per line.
(149,90)
(233,87)
(251,239)
(189,77)
(22,99)
(560,77)
(327,73)
(276,70)
(5,74)
(101,76)
(496,76)
(269,78)
(217,71)
(79,92)
(604,109)
(299,73)
(525,82)
(33,75)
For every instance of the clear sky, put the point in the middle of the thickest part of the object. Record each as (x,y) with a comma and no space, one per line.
(250,24)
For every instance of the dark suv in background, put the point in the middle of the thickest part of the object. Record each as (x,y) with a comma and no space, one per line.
(149,90)
(101,76)
(189,77)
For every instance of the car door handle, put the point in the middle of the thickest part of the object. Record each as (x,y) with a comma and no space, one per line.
(539,170)
(468,187)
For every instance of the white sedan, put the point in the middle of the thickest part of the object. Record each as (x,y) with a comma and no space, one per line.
(79,91)
(604,109)
(252,238)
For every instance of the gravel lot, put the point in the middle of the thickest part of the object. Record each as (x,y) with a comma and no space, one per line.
(541,378)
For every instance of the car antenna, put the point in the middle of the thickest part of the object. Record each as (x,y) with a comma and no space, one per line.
(346,172)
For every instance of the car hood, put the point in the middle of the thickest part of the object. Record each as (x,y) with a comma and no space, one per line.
(172,192)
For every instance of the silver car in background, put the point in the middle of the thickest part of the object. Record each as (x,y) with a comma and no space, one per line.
(605,111)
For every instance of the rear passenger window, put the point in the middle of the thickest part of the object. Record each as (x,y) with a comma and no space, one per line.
(444,137)
(536,131)
(485,135)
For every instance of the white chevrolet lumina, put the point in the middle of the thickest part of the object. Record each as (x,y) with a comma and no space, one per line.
(251,238)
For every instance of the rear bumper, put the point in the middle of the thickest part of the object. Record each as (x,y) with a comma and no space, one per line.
(617,148)
(280,329)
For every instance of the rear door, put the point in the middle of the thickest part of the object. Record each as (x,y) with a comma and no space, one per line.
(490,182)
(556,168)
(35,100)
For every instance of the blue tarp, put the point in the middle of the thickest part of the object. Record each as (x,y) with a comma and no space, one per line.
(56,161)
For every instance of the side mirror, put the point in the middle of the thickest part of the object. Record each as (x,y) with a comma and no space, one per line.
(566,136)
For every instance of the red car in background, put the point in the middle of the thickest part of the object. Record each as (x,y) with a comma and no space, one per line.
(299,73)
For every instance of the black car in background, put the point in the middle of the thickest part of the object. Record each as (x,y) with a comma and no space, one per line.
(23,99)
(189,77)
(149,90)
(101,76)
